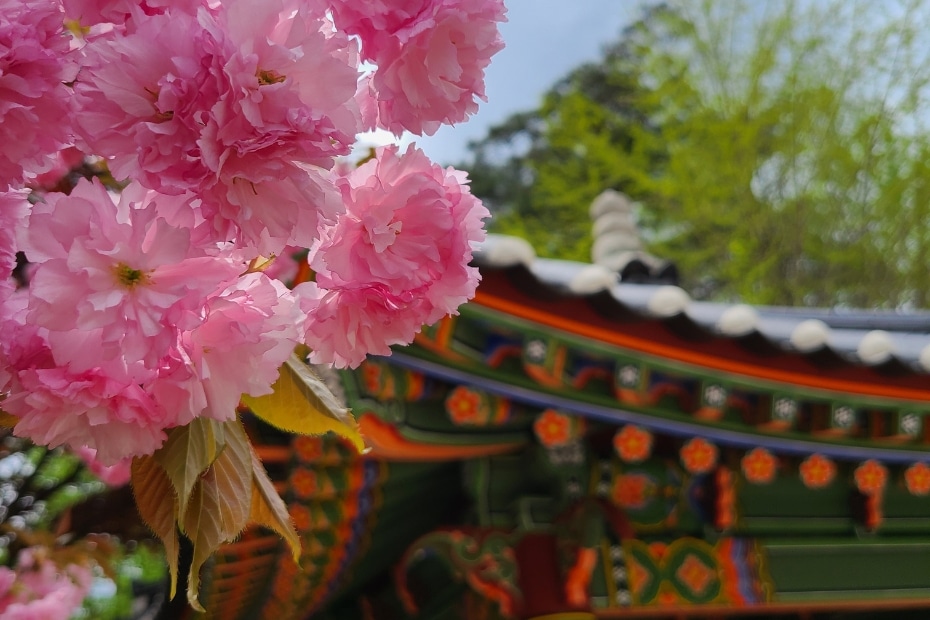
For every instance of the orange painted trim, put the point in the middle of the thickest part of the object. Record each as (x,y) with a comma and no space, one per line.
(695,358)
(718,611)
(273,454)
(387,443)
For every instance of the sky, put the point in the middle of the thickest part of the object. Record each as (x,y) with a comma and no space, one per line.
(544,40)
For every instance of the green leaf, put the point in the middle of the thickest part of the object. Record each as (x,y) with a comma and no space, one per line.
(219,506)
(301,403)
(157,503)
(269,510)
(188,452)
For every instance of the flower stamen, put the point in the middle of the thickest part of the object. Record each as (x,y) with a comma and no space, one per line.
(129,277)
(266,77)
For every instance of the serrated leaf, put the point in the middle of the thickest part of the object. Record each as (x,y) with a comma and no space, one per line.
(188,452)
(204,527)
(219,507)
(233,469)
(301,403)
(269,509)
(158,506)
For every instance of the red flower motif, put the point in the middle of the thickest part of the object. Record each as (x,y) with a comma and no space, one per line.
(817,471)
(759,466)
(632,490)
(303,483)
(871,477)
(633,444)
(917,479)
(466,407)
(301,517)
(553,428)
(699,455)
(308,448)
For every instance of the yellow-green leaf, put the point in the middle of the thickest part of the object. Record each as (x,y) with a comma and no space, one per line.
(301,403)
(158,506)
(188,452)
(269,510)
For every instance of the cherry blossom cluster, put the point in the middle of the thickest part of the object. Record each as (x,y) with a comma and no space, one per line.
(37,588)
(221,123)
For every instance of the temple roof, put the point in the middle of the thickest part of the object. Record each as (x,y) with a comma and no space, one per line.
(896,341)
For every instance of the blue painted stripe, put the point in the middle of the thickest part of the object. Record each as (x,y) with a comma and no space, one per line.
(680,428)
(742,557)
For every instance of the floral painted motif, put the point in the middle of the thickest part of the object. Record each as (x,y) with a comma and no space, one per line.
(633,443)
(699,455)
(871,477)
(633,491)
(300,517)
(308,448)
(759,466)
(466,407)
(917,479)
(817,471)
(303,483)
(553,428)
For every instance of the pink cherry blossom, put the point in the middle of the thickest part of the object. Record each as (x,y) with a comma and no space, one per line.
(344,324)
(249,329)
(112,475)
(269,216)
(87,13)
(56,407)
(35,105)
(410,226)
(286,265)
(377,22)
(397,259)
(14,207)
(115,268)
(431,57)
(227,105)
(223,122)
(62,164)
(144,97)
(273,111)
(37,589)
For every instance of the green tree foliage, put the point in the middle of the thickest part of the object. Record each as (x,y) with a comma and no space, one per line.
(779,150)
